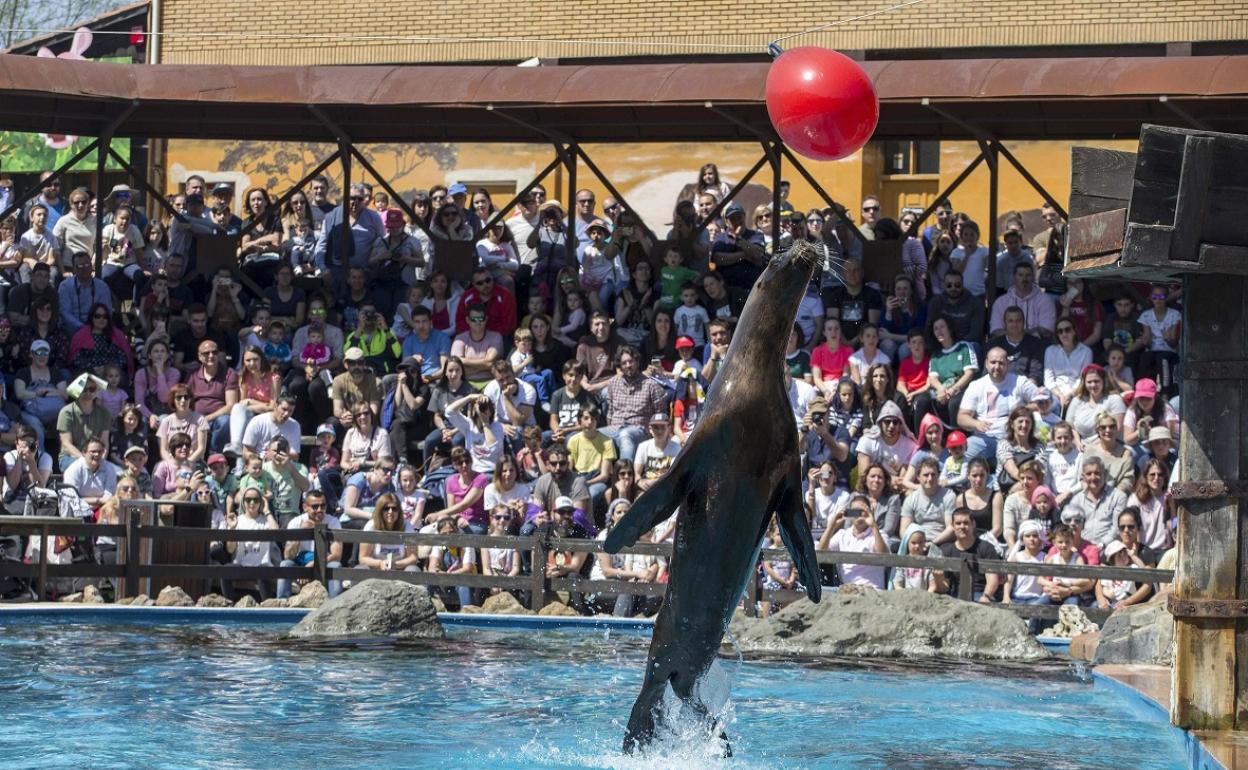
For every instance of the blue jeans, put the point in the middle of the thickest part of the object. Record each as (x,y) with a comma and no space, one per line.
(979,445)
(627,438)
(1034,625)
(543,382)
(219,433)
(283,586)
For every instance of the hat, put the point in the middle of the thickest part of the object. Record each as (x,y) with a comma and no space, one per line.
(1145,388)
(733,208)
(134,448)
(599,224)
(353,354)
(194,198)
(80,384)
(1092,368)
(411,362)
(685,342)
(548,205)
(40,346)
(1042,491)
(659,417)
(1159,432)
(564,503)
(394,217)
(459,188)
(956,438)
(217,458)
(326,427)
(222,187)
(1041,394)
(1071,514)
(817,405)
(1113,548)
(1030,527)
(120,188)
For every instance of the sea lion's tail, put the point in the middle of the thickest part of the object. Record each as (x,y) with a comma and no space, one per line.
(641,723)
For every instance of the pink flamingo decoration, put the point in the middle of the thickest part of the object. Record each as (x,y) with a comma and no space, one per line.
(79,46)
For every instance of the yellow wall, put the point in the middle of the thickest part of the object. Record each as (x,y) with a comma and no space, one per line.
(245,32)
(650,176)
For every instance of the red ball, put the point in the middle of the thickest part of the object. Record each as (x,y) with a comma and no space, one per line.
(821,103)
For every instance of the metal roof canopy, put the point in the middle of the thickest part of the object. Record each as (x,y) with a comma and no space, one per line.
(1004,98)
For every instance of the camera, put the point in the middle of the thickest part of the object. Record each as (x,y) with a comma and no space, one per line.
(817,418)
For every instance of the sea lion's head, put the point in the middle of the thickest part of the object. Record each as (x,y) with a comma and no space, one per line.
(772,306)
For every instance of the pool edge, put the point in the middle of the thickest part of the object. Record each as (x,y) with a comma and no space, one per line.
(1199,755)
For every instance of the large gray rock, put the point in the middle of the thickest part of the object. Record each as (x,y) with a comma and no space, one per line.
(1143,633)
(890,624)
(311,596)
(373,608)
(173,596)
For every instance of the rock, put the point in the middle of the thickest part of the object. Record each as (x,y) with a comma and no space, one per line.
(91,595)
(1070,623)
(1083,646)
(247,602)
(126,600)
(438,605)
(213,600)
(274,603)
(504,604)
(311,596)
(557,608)
(890,624)
(142,600)
(373,608)
(71,598)
(1142,633)
(172,596)
(471,609)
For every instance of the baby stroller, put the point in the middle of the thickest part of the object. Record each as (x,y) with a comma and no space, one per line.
(64,502)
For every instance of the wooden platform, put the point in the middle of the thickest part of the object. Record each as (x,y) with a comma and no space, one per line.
(1153,682)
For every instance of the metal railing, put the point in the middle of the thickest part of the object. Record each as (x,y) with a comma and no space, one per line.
(133,569)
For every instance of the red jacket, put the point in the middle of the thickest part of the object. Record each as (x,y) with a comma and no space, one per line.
(500,315)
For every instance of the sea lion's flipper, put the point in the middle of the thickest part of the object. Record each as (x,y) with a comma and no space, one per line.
(650,509)
(795,531)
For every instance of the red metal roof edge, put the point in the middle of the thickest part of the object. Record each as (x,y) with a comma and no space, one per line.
(647,84)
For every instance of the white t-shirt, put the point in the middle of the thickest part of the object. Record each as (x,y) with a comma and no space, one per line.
(10,459)
(1170,319)
(655,462)
(494,496)
(800,395)
(526,395)
(360,446)
(894,458)
(254,554)
(986,400)
(826,508)
(975,271)
(858,363)
(1064,471)
(263,429)
(331,522)
(808,314)
(381,550)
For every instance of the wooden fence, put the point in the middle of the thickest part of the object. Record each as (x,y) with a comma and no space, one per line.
(134,573)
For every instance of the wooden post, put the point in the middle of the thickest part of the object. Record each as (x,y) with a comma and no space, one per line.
(966,582)
(537,593)
(994,182)
(320,554)
(43,561)
(1211,653)
(133,521)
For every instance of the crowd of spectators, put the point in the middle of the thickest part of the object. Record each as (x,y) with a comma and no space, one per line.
(479,371)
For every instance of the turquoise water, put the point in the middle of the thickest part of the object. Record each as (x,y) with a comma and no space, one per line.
(236,697)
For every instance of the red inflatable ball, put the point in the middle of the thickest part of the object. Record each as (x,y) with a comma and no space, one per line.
(821,103)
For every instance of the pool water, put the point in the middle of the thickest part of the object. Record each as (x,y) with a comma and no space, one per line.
(220,696)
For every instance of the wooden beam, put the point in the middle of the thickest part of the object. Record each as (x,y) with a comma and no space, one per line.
(1211,534)
(1195,181)
(1100,180)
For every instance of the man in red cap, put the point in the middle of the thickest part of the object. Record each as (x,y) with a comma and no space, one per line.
(393,253)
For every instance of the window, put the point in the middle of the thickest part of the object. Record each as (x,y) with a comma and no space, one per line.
(921,157)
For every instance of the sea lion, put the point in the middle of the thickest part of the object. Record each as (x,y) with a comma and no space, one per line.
(739,466)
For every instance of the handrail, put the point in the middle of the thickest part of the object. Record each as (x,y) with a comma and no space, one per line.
(537,585)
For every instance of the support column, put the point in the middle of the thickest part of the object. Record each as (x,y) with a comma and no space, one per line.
(989,152)
(344,155)
(570,161)
(101,159)
(1209,685)
(773,157)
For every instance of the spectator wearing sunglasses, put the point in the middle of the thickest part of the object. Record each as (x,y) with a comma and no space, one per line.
(366,229)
